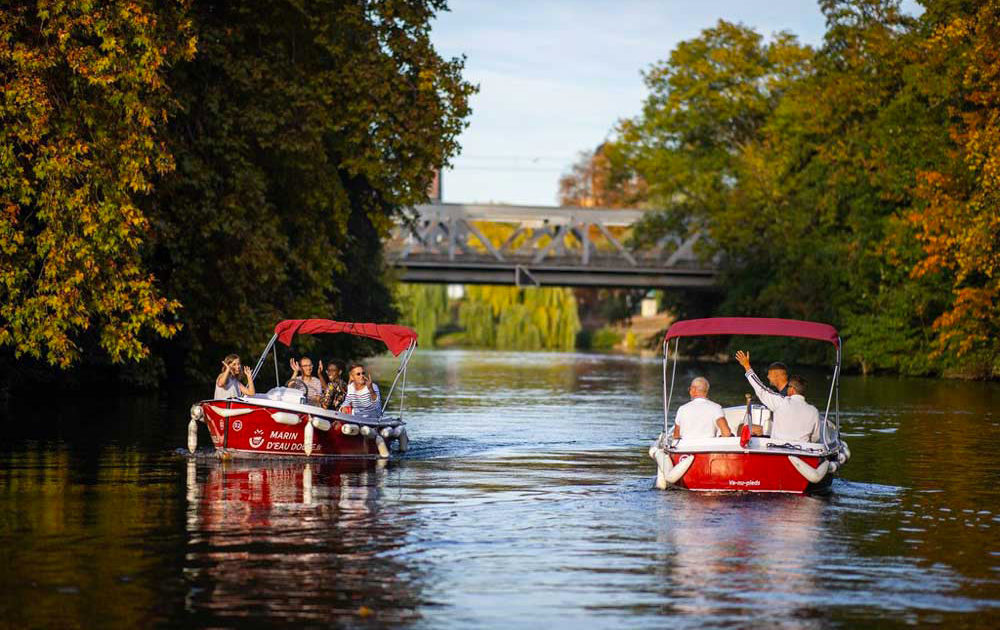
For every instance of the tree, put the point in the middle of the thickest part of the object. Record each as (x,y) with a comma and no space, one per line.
(304,128)
(602,178)
(957,221)
(82,140)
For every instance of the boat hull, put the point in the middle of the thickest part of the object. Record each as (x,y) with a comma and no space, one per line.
(749,472)
(250,429)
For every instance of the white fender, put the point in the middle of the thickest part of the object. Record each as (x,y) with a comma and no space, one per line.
(367,431)
(321,423)
(833,467)
(404,440)
(349,429)
(812,475)
(383,450)
(307,439)
(386,433)
(192,435)
(397,430)
(197,413)
(680,468)
(307,484)
(663,468)
(655,445)
(229,413)
(846,449)
(283,417)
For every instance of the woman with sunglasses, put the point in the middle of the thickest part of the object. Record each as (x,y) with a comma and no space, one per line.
(363,396)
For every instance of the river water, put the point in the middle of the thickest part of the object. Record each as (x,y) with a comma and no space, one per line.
(526,501)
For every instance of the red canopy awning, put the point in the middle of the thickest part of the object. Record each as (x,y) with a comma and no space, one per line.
(753,326)
(396,338)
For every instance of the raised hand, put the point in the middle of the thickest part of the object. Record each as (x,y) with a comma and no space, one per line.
(743,358)
(295,366)
(248,373)
(321,367)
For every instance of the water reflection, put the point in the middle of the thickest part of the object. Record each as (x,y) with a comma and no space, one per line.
(526,501)
(303,541)
(730,555)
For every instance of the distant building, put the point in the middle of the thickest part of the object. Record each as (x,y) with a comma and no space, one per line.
(434,191)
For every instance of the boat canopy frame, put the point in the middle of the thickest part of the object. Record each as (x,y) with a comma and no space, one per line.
(393,336)
(754,326)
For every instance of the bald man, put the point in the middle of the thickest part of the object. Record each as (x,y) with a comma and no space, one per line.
(700,418)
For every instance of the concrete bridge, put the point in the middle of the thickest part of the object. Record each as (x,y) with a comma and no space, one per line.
(536,246)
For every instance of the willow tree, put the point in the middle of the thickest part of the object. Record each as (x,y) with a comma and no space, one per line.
(424,307)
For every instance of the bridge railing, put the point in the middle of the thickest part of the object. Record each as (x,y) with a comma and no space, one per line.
(529,238)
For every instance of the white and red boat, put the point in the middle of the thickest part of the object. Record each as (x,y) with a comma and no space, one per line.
(745,463)
(282,423)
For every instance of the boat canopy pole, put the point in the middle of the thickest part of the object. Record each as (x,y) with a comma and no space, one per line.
(263,355)
(277,382)
(833,388)
(673,376)
(399,372)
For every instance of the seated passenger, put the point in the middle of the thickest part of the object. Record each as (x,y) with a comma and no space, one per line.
(795,420)
(777,376)
(302,378)
(701,417)
(334,388)
(363,396)
(227,383)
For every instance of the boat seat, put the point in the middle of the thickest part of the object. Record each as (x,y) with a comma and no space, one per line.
(760,414)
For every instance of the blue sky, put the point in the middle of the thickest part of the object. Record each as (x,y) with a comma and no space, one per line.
(554,78)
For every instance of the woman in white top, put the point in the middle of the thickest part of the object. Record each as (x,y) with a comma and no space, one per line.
(363,396)
(227,383)
(302,376)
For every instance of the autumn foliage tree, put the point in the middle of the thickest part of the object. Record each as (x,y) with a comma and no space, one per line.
(208,168)
(852,183)
(83,117)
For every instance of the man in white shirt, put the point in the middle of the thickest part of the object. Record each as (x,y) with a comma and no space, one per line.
(701,417)
(795,420)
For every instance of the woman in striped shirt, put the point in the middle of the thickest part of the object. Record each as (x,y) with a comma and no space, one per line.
(363,396)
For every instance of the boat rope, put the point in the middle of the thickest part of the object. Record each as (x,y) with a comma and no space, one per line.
(796,447)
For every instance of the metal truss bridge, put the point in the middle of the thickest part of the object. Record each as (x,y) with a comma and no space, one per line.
(535,246)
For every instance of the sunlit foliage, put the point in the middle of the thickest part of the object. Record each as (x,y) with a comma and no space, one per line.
(86,96)
(853,183)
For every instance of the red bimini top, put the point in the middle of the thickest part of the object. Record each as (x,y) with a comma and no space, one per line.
(396,338)
(767,326)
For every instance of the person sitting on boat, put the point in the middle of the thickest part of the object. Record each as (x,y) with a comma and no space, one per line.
(302,378)
(777,376)
(334,388)
(227,383)
(701,417)
(795,420)
(363,396)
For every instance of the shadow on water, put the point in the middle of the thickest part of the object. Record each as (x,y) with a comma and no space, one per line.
(526,501)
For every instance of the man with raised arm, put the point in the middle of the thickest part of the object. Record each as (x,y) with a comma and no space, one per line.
(701,417)
(795,420)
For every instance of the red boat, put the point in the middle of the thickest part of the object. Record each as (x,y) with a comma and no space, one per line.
(282,423)
(750,464)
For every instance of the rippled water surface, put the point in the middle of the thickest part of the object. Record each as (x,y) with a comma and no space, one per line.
(527,500)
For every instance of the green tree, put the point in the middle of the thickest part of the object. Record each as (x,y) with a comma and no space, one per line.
(304,128)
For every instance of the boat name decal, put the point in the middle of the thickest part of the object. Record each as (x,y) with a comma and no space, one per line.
(284,435)
(751,482)
(289,446)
